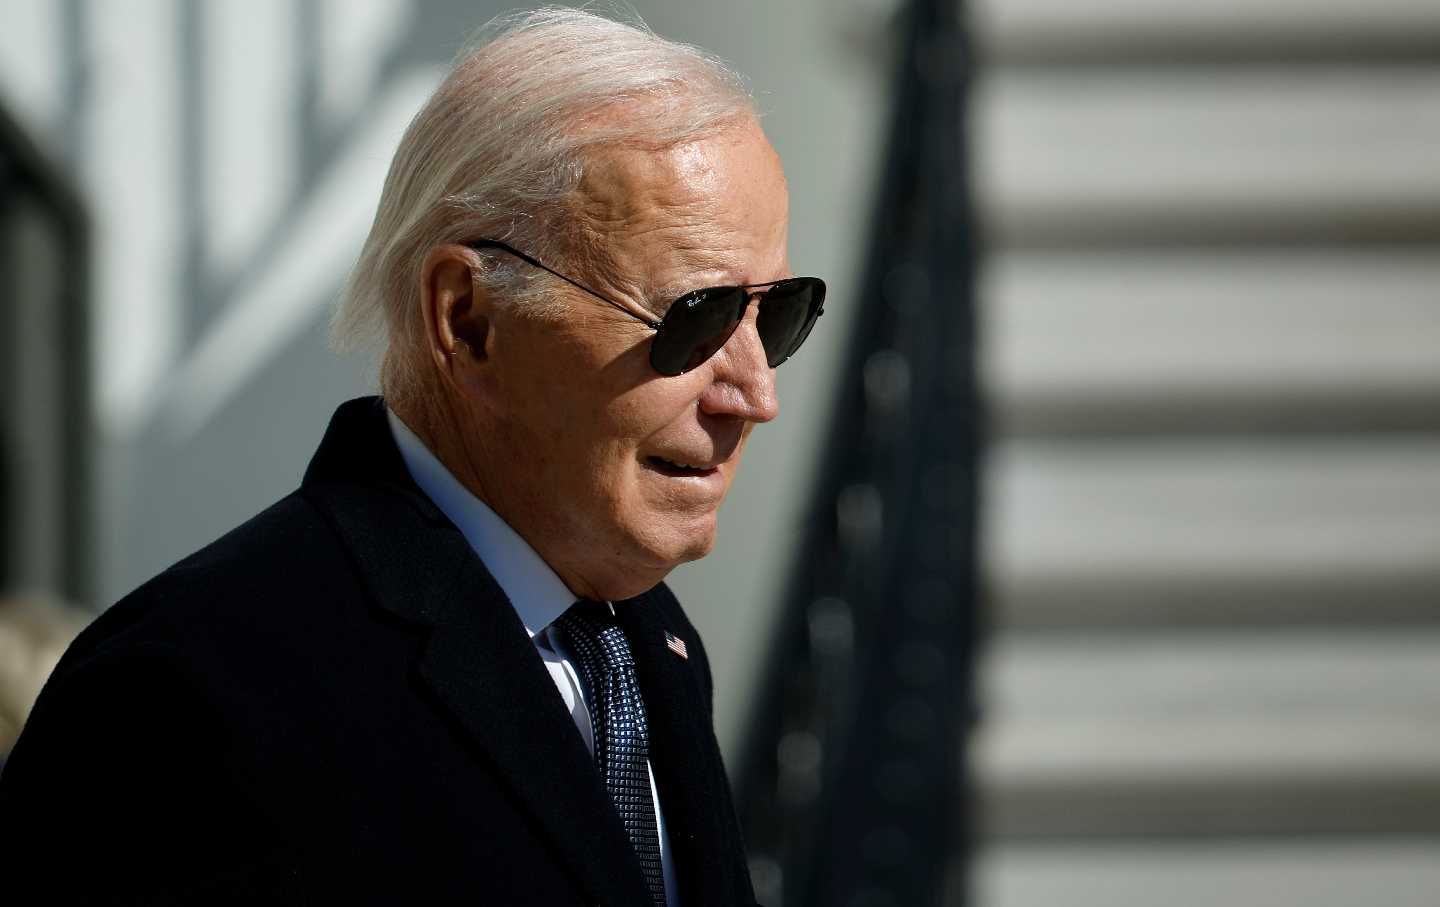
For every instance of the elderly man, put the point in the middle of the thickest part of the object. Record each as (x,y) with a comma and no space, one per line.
(445,669)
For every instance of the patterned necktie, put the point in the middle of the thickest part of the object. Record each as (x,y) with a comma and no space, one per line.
(617,715)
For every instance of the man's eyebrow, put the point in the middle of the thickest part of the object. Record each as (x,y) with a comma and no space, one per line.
(705,270)
(663,295)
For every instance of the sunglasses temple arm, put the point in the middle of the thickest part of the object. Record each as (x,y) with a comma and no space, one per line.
(496,244)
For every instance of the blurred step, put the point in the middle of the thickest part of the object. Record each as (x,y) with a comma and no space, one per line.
(1230,676)
(1195,341)
(1210,314)
(1191,531)
(1244,873)
(1107,32)
(1238,733)
(1211,156)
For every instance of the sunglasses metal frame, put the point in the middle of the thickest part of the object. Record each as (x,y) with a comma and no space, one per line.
(481,245)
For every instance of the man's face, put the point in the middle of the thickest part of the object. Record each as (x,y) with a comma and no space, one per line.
(613,473)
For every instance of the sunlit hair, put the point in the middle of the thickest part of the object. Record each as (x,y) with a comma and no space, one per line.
(499,150)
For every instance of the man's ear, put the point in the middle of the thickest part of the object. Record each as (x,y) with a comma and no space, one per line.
(458,315)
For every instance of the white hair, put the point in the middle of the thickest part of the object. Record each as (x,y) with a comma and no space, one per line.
(499,150)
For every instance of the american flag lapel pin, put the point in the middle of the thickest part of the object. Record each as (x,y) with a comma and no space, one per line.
(676,644)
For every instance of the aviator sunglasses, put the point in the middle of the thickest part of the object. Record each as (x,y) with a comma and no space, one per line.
(700,322)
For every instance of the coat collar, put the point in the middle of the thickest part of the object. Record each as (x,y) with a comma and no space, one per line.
(478,660)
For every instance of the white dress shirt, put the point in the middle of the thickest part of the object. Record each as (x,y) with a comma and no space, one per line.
(536,593)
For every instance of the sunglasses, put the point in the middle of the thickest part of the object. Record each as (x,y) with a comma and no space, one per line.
(698,323)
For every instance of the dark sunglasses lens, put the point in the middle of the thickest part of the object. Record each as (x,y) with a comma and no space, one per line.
(787,313)
(696,325)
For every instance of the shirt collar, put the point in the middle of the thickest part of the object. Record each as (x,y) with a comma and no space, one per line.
(536,593)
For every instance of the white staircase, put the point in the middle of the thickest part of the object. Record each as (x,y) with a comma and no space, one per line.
(1211,325)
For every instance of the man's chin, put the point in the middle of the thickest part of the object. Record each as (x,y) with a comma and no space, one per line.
(699,548)
(645,554)
(683,540)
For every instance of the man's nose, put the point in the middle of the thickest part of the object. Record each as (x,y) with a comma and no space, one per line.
(744,382)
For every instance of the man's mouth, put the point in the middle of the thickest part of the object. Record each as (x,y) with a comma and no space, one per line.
(674,469)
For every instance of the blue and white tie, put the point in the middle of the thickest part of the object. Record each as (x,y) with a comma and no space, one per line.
(617,714)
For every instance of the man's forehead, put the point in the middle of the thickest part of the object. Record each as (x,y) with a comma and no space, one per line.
(713,203)
(695,171)
(628,183)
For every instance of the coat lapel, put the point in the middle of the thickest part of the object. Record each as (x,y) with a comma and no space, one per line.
(686,760)
(478,662)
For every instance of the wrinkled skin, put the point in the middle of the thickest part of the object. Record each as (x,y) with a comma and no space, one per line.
(555,422)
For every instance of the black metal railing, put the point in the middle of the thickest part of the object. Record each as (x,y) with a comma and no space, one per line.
(850,780)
